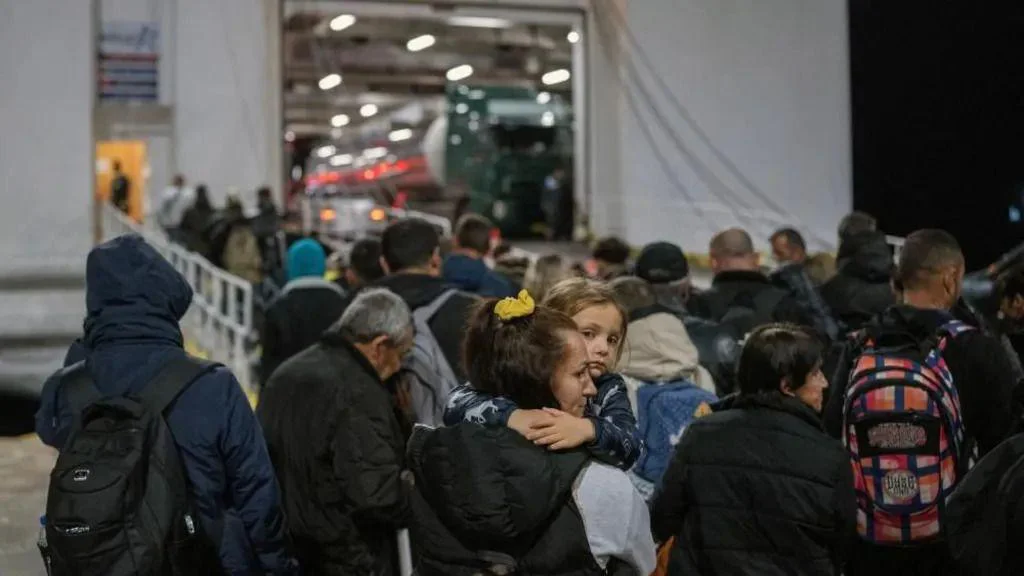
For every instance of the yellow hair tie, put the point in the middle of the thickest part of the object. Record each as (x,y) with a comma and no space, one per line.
(509,308)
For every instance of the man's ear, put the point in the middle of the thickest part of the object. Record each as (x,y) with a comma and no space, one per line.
(384,265)
(435,258)
(786,387)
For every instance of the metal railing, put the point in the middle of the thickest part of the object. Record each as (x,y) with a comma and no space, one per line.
(220,320)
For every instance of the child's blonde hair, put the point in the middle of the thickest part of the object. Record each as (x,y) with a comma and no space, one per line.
(575,295)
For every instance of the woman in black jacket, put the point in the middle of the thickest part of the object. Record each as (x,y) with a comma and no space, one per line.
(489,501)
(757,487)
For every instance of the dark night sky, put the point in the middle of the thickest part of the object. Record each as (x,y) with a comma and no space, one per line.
(938,111)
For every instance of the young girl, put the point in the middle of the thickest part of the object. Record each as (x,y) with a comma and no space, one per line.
(609,428)
(490,503)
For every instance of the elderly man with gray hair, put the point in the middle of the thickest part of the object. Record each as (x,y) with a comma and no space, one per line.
(336,442)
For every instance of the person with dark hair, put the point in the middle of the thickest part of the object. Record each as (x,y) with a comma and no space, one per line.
(197,221)
(364,265)
(120,189)
(788,246)
(611,255)
(741,297)
(979,377)
(306,307)
(757,487)
(336,444)
(861,287)
(488,500)
(466,267)
(266,225)
(790,252)
(855,224)
(411,260)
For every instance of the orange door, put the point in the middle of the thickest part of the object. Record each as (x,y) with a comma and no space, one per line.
(131,155)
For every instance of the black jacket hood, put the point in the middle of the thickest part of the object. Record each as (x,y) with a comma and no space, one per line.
(866,256)
(490,485)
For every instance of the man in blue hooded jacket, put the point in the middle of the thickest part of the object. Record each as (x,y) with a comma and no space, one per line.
(134,300)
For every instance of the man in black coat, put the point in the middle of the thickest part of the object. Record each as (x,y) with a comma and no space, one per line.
(930,271)
(741,296)
(861,287)
(306,307)
(411,257)
(336,443)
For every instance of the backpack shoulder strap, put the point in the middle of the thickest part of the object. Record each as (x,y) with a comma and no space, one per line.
(425,313)
(954,328)
(78,388)
(172,380)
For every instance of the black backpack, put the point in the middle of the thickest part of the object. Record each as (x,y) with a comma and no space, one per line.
(118,501)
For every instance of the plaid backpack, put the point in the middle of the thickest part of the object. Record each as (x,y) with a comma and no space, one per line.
(903,429)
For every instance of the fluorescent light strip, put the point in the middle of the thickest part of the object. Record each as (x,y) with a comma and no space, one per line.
(555,77)
(330,81)
(420,43)
(341,22)
(400,135)
(459,73)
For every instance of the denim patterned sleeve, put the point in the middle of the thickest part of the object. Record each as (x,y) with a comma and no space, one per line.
(617,439)
(468,405)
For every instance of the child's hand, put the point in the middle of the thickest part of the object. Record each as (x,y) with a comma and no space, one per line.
(523,421)
(559,430)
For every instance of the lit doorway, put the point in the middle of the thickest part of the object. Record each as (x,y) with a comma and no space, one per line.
(130,156)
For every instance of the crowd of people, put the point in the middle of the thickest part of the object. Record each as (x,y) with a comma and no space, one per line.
(248,247)
(549,417)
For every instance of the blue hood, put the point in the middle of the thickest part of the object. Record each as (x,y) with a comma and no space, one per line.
(134,299)
(473,275)
(306,258)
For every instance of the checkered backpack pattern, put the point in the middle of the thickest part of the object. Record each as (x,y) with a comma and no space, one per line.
(903,429)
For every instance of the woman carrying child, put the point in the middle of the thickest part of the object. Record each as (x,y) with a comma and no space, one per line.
(489,501)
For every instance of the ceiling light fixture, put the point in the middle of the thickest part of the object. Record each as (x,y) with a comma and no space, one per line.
(459,73)
(368,110)
(289,136)
(547,118)
(339,120)
(555,77)
(543,97)
(341,160)
(420,43)
(573,37)
(330,81)
(400,135)
(375,153)
(341,22)
(325,151)
(479,22)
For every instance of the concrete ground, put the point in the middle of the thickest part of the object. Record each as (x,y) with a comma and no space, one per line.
(25,464)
